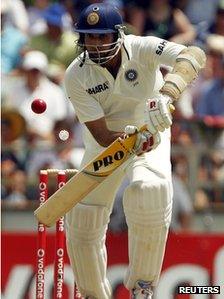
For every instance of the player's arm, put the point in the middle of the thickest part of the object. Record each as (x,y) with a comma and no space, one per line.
(98,128)
(186,69)
(145,141)
(91,114)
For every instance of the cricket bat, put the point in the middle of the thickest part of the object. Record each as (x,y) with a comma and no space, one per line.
(86,180)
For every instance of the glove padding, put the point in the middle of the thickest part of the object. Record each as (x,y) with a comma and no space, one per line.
(157,114)
(145,141)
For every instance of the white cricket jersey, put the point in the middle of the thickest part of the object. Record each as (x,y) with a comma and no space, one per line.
(95,93)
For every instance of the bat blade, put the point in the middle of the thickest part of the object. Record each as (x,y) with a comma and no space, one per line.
(86,180)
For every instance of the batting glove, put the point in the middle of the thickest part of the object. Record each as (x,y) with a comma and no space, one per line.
(145,141)
(157,114)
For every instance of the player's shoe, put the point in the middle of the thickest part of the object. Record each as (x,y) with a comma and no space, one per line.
(142,290)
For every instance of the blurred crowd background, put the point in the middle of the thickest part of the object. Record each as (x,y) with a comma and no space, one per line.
(38,43)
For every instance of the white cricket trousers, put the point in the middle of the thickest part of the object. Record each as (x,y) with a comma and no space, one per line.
(147,205)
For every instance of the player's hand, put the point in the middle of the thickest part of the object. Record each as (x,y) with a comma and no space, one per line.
(145,141)
(157,113)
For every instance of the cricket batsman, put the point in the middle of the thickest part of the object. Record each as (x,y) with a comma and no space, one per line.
(116,86)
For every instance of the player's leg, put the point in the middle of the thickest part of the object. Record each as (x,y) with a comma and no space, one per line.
(147,205)
(86,249)
(86,231)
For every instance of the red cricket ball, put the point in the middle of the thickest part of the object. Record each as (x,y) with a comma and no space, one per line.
(38,106)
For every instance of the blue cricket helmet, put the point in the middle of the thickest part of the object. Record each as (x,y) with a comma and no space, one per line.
(99,18)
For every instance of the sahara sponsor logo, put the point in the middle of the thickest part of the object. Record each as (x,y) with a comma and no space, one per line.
(98,88)
(161,47)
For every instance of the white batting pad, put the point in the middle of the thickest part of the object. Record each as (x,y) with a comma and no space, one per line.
(147,206)
(87,251)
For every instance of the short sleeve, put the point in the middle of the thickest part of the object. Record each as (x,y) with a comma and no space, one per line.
(158,51)
(86,107)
